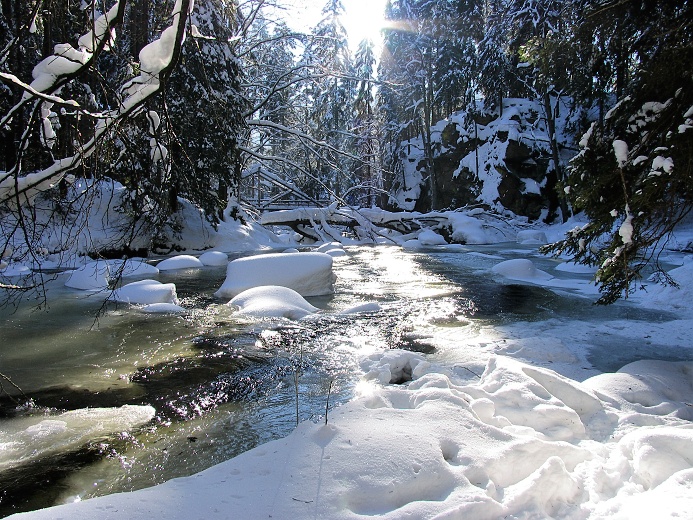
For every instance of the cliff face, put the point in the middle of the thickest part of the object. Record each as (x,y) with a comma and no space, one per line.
(503,161)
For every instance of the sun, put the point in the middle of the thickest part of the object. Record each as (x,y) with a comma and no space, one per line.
(363,19)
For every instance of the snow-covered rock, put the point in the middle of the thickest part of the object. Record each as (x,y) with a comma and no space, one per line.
(13,269)
(272,301)
(179,262)
(531,236)
(146,292)
(162,308)
(214,258)
(309,274)
(428,237)
(93,276)
(521,269)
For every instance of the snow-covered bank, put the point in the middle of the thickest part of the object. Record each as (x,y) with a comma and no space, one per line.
(522,442)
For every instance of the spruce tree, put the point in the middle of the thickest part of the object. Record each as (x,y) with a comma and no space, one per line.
(634,176)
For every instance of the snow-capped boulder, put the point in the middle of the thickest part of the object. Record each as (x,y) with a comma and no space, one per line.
(146,292)
(93,276)
(520,269)
(272,301)
(214,258)
(179,262)
(309,274)
(428,237)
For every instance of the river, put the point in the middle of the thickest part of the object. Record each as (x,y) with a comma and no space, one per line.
(221,384)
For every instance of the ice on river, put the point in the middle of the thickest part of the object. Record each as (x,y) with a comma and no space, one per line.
(521,442)
(28,439)
(309,274)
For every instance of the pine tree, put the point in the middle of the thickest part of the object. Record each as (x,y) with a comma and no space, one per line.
(367,127)
(633,177)
(331,98)
(205,106)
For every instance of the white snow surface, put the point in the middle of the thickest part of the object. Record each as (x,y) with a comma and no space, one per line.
(522,442)
(179,262)
(96,276)
(520,269)
(272,301)
(309,274)
(146,292)
(214,258)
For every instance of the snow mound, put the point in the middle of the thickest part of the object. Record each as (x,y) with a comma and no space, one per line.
(362,307)
(93,276)
(572,267)
(28,439)
(428,237)
(179,262)
(531,236)
(146,292)
(394,366)
(96,276)
(334,249)
(272,301)
(468,229)
(214,258)
(654,387)
(520,269)
(664,296)
(309,274)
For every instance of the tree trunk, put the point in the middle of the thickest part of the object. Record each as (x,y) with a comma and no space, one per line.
(555,156)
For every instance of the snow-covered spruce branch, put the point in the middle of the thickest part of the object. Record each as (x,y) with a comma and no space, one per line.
(67,63)
(157,60)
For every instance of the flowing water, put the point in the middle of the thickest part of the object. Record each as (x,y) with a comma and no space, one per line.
(221,384)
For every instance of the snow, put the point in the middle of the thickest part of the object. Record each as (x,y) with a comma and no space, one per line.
(179,262)
(162,308)
(272,301)
(531,236)
(428,237)
(621,152)
(146,292)
(93,276)
(96,276)
(214,258)
(520,269)
(309,274)
(521,442)
(27,439)
(626,229)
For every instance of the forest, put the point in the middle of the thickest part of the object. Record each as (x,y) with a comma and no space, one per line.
(194,100)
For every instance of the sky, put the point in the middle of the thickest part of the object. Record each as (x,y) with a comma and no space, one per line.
(362,19)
